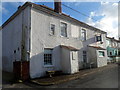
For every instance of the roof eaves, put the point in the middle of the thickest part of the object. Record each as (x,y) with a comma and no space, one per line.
(113,39)
(69,47)
(97,47)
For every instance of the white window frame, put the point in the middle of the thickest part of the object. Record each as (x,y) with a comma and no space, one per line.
(85,38)
(48,65)
(97,38)
(50,29)
(66,29)
(73,55)
(99,53)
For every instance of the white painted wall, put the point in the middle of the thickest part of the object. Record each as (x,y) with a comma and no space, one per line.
(65,61)
(11,40)
(37,25)
(92,56)
(75,31)
(101,61)
(40,39)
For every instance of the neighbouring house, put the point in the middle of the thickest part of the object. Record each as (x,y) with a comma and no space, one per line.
(37,39)
(113,49)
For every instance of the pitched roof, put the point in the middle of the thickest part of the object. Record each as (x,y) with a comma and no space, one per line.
(69,47)
(98,47)
(49,11)
(112,38)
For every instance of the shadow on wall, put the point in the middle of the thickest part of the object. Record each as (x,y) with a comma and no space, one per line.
(89,41)
(85,48)
(37,67)
(7,64)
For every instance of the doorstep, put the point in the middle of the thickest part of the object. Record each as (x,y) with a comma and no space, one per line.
(46,81)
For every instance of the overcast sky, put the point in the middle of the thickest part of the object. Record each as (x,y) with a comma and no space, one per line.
(103,15)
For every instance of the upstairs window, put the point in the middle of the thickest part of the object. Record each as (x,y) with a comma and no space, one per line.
(83,34)
(47,56)
(63,29)
(52,29)
(98,38)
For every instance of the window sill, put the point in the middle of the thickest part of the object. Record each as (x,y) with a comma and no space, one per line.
(101,56)
(46,66)
(64,37)
(51,35)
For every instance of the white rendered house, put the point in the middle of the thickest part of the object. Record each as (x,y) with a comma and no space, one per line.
(50,40)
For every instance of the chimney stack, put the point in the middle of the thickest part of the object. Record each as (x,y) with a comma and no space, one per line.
(57,6)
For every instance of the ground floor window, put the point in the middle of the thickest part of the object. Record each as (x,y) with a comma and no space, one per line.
(101,54)
(47,56)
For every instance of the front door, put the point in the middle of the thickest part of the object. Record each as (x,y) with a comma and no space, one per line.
(74,61)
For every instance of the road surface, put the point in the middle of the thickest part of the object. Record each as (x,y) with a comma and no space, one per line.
(107,78)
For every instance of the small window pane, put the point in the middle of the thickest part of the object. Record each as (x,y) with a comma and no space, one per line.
(64,29)
(101,54)
(52,29)
(83,35)
(98,38)
(84,56)
(47,57)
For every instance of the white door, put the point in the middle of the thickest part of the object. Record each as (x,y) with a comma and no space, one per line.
(74,61)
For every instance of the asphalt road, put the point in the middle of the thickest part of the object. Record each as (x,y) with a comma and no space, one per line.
(107,78)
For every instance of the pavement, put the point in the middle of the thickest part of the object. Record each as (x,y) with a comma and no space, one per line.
(102,77)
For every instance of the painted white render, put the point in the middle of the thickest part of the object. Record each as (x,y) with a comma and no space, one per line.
(92,56)
(41,38)
(101,61)
(11,39)
(65,61)
(95,59)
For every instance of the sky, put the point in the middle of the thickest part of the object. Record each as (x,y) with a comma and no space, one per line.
(102,15)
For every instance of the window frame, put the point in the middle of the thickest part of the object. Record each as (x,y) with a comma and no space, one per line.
(48,65)
(50,29)
(61,29)
(98,38)
(85,38)
(102,52)
(74,55)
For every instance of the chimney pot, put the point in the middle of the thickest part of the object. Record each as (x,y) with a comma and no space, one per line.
(57,6)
